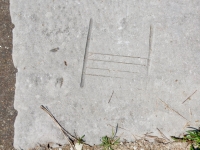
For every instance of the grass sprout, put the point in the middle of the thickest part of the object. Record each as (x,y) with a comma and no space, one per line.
(108,142)
(80,140)
(191,137)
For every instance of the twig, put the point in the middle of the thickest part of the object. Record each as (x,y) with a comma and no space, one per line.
(150,136)
(156,138)
(68,136)
(189,97)
(186,125)
(172,109)
(190,111)
(162,134)
(111,97)
(117,127)
(116,130)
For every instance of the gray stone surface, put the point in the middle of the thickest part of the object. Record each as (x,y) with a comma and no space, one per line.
(146,54)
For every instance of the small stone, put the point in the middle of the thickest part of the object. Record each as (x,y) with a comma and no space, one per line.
(134,147)
(78,146)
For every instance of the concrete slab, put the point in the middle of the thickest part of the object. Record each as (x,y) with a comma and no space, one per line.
(142,63)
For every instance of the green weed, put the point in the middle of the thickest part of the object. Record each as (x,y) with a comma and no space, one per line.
(80,140)
(192,137)
(108,142)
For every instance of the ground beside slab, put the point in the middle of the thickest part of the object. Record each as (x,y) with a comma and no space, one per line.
(7,79)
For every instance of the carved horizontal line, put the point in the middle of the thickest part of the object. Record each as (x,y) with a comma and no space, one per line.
(115,62)
(117,55)
(111,70)
(103,76)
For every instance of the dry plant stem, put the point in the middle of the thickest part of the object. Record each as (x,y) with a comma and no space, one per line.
(162,134)
(68,136)
(118,127)
(150,136)
(189,97)
(111,97)
(48,111)
(172,109)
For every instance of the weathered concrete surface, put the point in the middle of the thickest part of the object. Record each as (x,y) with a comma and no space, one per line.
(145,54)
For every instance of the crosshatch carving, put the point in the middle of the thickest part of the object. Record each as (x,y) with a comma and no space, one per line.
(107,64)
(112,64)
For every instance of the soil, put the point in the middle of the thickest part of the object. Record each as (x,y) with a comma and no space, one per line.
(7,79)
(142,144)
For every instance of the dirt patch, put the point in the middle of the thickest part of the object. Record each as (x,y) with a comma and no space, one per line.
(7,78)
(137,145)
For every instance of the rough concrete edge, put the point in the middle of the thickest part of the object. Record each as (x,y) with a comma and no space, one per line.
(14,63)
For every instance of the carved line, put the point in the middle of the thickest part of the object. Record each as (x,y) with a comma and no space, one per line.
(117,55)
(86,54)
(97,75)
(150,48)
(103,76)
(110,70)
(115,62)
